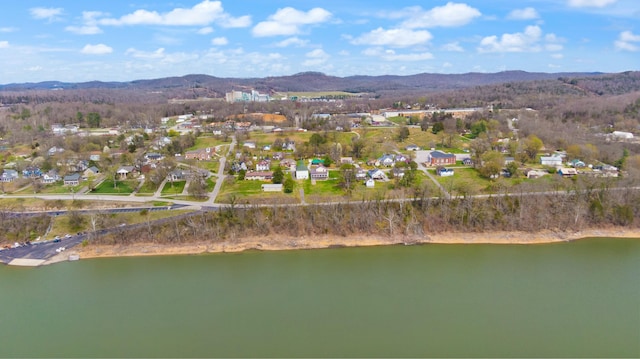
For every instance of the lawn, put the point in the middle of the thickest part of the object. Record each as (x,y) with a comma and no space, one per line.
(211,183)
(173,188)
(251,192)
(121,187)
(148,188)
(385,140)
(207,141)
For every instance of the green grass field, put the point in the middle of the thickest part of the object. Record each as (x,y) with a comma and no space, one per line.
(121,187)
(173,188)
(207,141)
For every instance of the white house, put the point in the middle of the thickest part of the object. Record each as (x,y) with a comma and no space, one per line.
(302,172)
(263,165)
(554,161)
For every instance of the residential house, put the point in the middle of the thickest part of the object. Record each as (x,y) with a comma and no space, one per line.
(153,156)
(239,166)
(95,156)
(288,163)
(346,160)
(50,177)
(272,187)
(444,172)
(203,154)
(398,172)
(530,173)
(553,161)
(259,176)
(438,158)
(567,172)
(72,179)
(577,163)
(125,171)
(249,144)
(387,160)
(266,148)
(278,156)
(289,145)
(361,174)
(90,172)
(467,162)
(31,172)
(319,172)
(376,174)
(177,175)
(9,175)
(401,158)
(263,165)
(302,172)
(508,160)
(412,148)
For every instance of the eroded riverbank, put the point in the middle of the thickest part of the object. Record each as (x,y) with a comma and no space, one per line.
(277,243)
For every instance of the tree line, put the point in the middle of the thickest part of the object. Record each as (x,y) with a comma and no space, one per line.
(585,207)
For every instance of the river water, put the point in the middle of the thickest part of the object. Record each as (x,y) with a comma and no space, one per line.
(579,299)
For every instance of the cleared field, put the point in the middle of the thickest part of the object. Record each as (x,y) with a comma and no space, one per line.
(250,192)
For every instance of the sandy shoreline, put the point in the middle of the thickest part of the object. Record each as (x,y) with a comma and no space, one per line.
(276,243)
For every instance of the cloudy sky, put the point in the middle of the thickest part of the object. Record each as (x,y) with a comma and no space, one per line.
(118,40)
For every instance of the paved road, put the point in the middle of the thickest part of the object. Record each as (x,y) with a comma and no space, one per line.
(223,161)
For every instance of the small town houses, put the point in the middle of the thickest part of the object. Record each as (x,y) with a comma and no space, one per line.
(203,154)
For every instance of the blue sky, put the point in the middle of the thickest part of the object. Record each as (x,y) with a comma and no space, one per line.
(121,40)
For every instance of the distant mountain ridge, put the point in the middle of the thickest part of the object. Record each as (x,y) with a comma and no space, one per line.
(310,81)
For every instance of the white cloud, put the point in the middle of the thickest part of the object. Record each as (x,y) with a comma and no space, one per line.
(591,3)
(292,41)
(99,49)
(527,13)
(201,14)
(393,37)
(316,57)
(553,47)
(557,56)
(159,53)
(84,30)
(89,24)
(627,41)
(219,41)
(4,44)
(288,21)
(526,41)
(8,29)
(205,30)
(46,13)
(453,47)
(450,15)
(391,55)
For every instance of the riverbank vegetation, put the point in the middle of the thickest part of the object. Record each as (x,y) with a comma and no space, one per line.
(585,207)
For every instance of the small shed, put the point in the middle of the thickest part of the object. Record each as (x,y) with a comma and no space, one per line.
(272,187)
